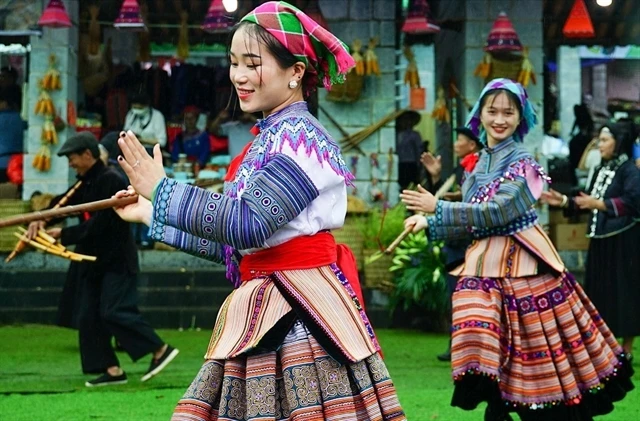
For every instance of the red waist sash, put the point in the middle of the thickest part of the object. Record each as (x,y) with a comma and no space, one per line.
(305,252)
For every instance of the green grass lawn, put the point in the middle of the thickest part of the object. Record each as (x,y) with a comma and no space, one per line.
(40,378)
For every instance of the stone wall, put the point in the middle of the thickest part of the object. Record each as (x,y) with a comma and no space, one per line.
(63,43)
(364,19)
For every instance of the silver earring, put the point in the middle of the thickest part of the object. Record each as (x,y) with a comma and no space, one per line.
(293,84)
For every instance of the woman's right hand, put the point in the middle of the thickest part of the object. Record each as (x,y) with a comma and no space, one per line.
(416,222)
(551,197)
(139,212)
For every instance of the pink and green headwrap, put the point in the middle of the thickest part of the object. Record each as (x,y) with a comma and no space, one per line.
(322,53)
(528,118)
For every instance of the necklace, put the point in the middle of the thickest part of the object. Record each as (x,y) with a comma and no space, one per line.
(602,183)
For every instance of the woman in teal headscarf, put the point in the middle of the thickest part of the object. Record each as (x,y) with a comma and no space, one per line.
(525,337)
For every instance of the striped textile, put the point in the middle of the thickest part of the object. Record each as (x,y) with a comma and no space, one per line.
(298,382)
(516,256)
(540,336)
(327,303)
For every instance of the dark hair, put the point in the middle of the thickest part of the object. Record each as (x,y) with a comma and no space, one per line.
(513,99)
(623,133)
(284,57)
(140,97)
(7,70)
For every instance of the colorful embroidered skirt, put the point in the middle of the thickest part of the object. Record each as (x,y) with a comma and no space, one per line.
(299,381)
(536,346)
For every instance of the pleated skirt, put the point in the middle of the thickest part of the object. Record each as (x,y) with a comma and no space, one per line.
(536,346)
(298,382)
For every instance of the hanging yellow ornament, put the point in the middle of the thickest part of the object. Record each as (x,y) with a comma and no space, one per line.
(484,67)
(372,67)
(411,76)
(440,110)
(527,73)
(42,160)
(51,79)
(357,57)
(44,105)
(182,50)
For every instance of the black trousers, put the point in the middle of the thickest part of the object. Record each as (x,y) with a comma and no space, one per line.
(109,308)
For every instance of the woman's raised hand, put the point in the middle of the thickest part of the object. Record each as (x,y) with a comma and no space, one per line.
(551,197)
(419,201)
(144,172)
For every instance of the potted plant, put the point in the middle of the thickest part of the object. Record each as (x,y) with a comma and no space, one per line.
(418,290)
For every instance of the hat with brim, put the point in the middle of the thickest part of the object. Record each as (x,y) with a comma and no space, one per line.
(409,118)
(79,143)
(468,133)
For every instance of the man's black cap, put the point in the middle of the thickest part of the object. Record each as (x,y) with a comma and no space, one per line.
(78,143)
(467,132)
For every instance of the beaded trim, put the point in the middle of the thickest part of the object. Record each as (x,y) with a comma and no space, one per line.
(521,223)
(517,169)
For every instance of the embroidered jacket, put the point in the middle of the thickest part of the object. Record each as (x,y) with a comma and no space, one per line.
(291,182)
(498,213)
(617,183)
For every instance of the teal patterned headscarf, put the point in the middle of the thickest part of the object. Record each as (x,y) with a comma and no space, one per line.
(529,117)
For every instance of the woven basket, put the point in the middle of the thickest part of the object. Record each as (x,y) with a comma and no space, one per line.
(10,207)
(350,235)
(349,91)
(376,274)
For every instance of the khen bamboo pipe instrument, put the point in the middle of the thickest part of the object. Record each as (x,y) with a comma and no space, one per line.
(21,244)
(446,186)
(26,218)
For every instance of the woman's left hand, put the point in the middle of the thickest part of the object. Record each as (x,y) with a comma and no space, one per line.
(584,201)
(144,172)
(419,201)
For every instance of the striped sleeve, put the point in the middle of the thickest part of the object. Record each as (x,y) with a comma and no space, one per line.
(200,247)
(437,232)
(512,200)
(273,196)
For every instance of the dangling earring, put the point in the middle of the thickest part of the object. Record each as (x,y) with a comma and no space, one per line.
(293,84)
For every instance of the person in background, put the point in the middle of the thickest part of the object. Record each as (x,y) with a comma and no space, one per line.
(149,125)
(109,143)
(466,148)
(525,337)
(237,130)
(191,141)
(613,198)
(146,122)
(409,148)
(292,341)
(100,298)
(12,129)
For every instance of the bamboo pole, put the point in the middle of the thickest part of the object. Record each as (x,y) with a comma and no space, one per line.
(66,211)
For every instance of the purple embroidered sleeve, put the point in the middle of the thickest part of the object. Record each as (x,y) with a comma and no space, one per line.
(498,203)
(273,196)
(188,243)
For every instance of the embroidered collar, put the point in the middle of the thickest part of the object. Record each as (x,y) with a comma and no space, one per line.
(296,107)
(500,146)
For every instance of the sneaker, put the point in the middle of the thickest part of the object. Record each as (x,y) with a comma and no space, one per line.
(159,364)
(107,379)
(444,357)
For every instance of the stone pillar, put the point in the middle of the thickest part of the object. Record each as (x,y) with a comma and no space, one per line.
(365,19)
(569,87)
(599,87)
(526,17)
(63,43)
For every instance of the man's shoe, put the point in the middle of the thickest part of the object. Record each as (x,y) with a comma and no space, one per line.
(107,380)
(444,357)
(158,365)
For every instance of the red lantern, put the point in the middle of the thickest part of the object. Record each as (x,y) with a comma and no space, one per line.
(129,17)
(578,24)
(216,19)
(55,15)
(419,20)
(503,36)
